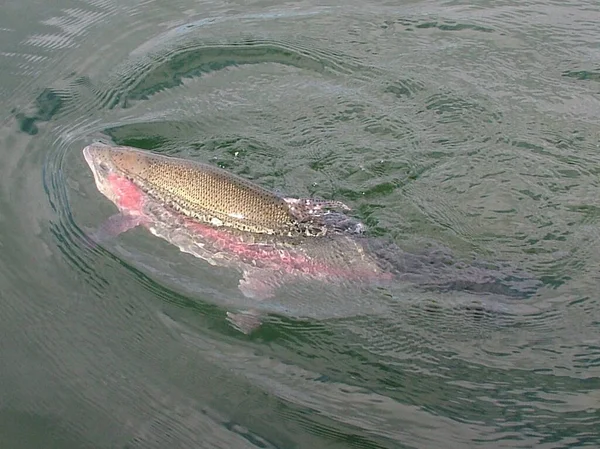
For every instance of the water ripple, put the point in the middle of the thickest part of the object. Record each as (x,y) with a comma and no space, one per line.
(468,125)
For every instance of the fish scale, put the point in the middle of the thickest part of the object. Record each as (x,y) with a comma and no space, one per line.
(208,193)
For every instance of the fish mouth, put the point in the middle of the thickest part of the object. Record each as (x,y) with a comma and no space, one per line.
(96,157)
(88,155)
(91,153)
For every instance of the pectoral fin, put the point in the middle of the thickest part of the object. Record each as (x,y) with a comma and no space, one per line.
(258,286)
(115,225)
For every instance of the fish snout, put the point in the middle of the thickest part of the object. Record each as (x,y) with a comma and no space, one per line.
(99,161)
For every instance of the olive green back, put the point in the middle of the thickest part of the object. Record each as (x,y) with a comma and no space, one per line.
(205,192)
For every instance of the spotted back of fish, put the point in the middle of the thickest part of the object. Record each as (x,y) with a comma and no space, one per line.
(204,192)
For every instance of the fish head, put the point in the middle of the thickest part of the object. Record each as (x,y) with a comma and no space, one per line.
(112,168)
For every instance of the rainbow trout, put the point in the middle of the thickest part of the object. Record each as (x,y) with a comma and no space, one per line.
(230,221)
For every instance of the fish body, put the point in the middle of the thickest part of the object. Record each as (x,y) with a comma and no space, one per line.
(207,194)
(230,221)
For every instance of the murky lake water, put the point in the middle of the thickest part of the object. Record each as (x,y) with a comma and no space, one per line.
(472,126)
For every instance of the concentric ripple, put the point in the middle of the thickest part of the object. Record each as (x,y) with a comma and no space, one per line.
(390,147)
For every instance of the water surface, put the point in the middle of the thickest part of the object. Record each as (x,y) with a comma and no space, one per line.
(473,127)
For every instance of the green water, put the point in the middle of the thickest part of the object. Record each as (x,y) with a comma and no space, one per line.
(469,126)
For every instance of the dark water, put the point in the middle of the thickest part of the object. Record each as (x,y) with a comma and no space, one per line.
(473,126)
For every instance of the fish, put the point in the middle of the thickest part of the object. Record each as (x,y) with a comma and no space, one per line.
(209,194)
(230,221)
